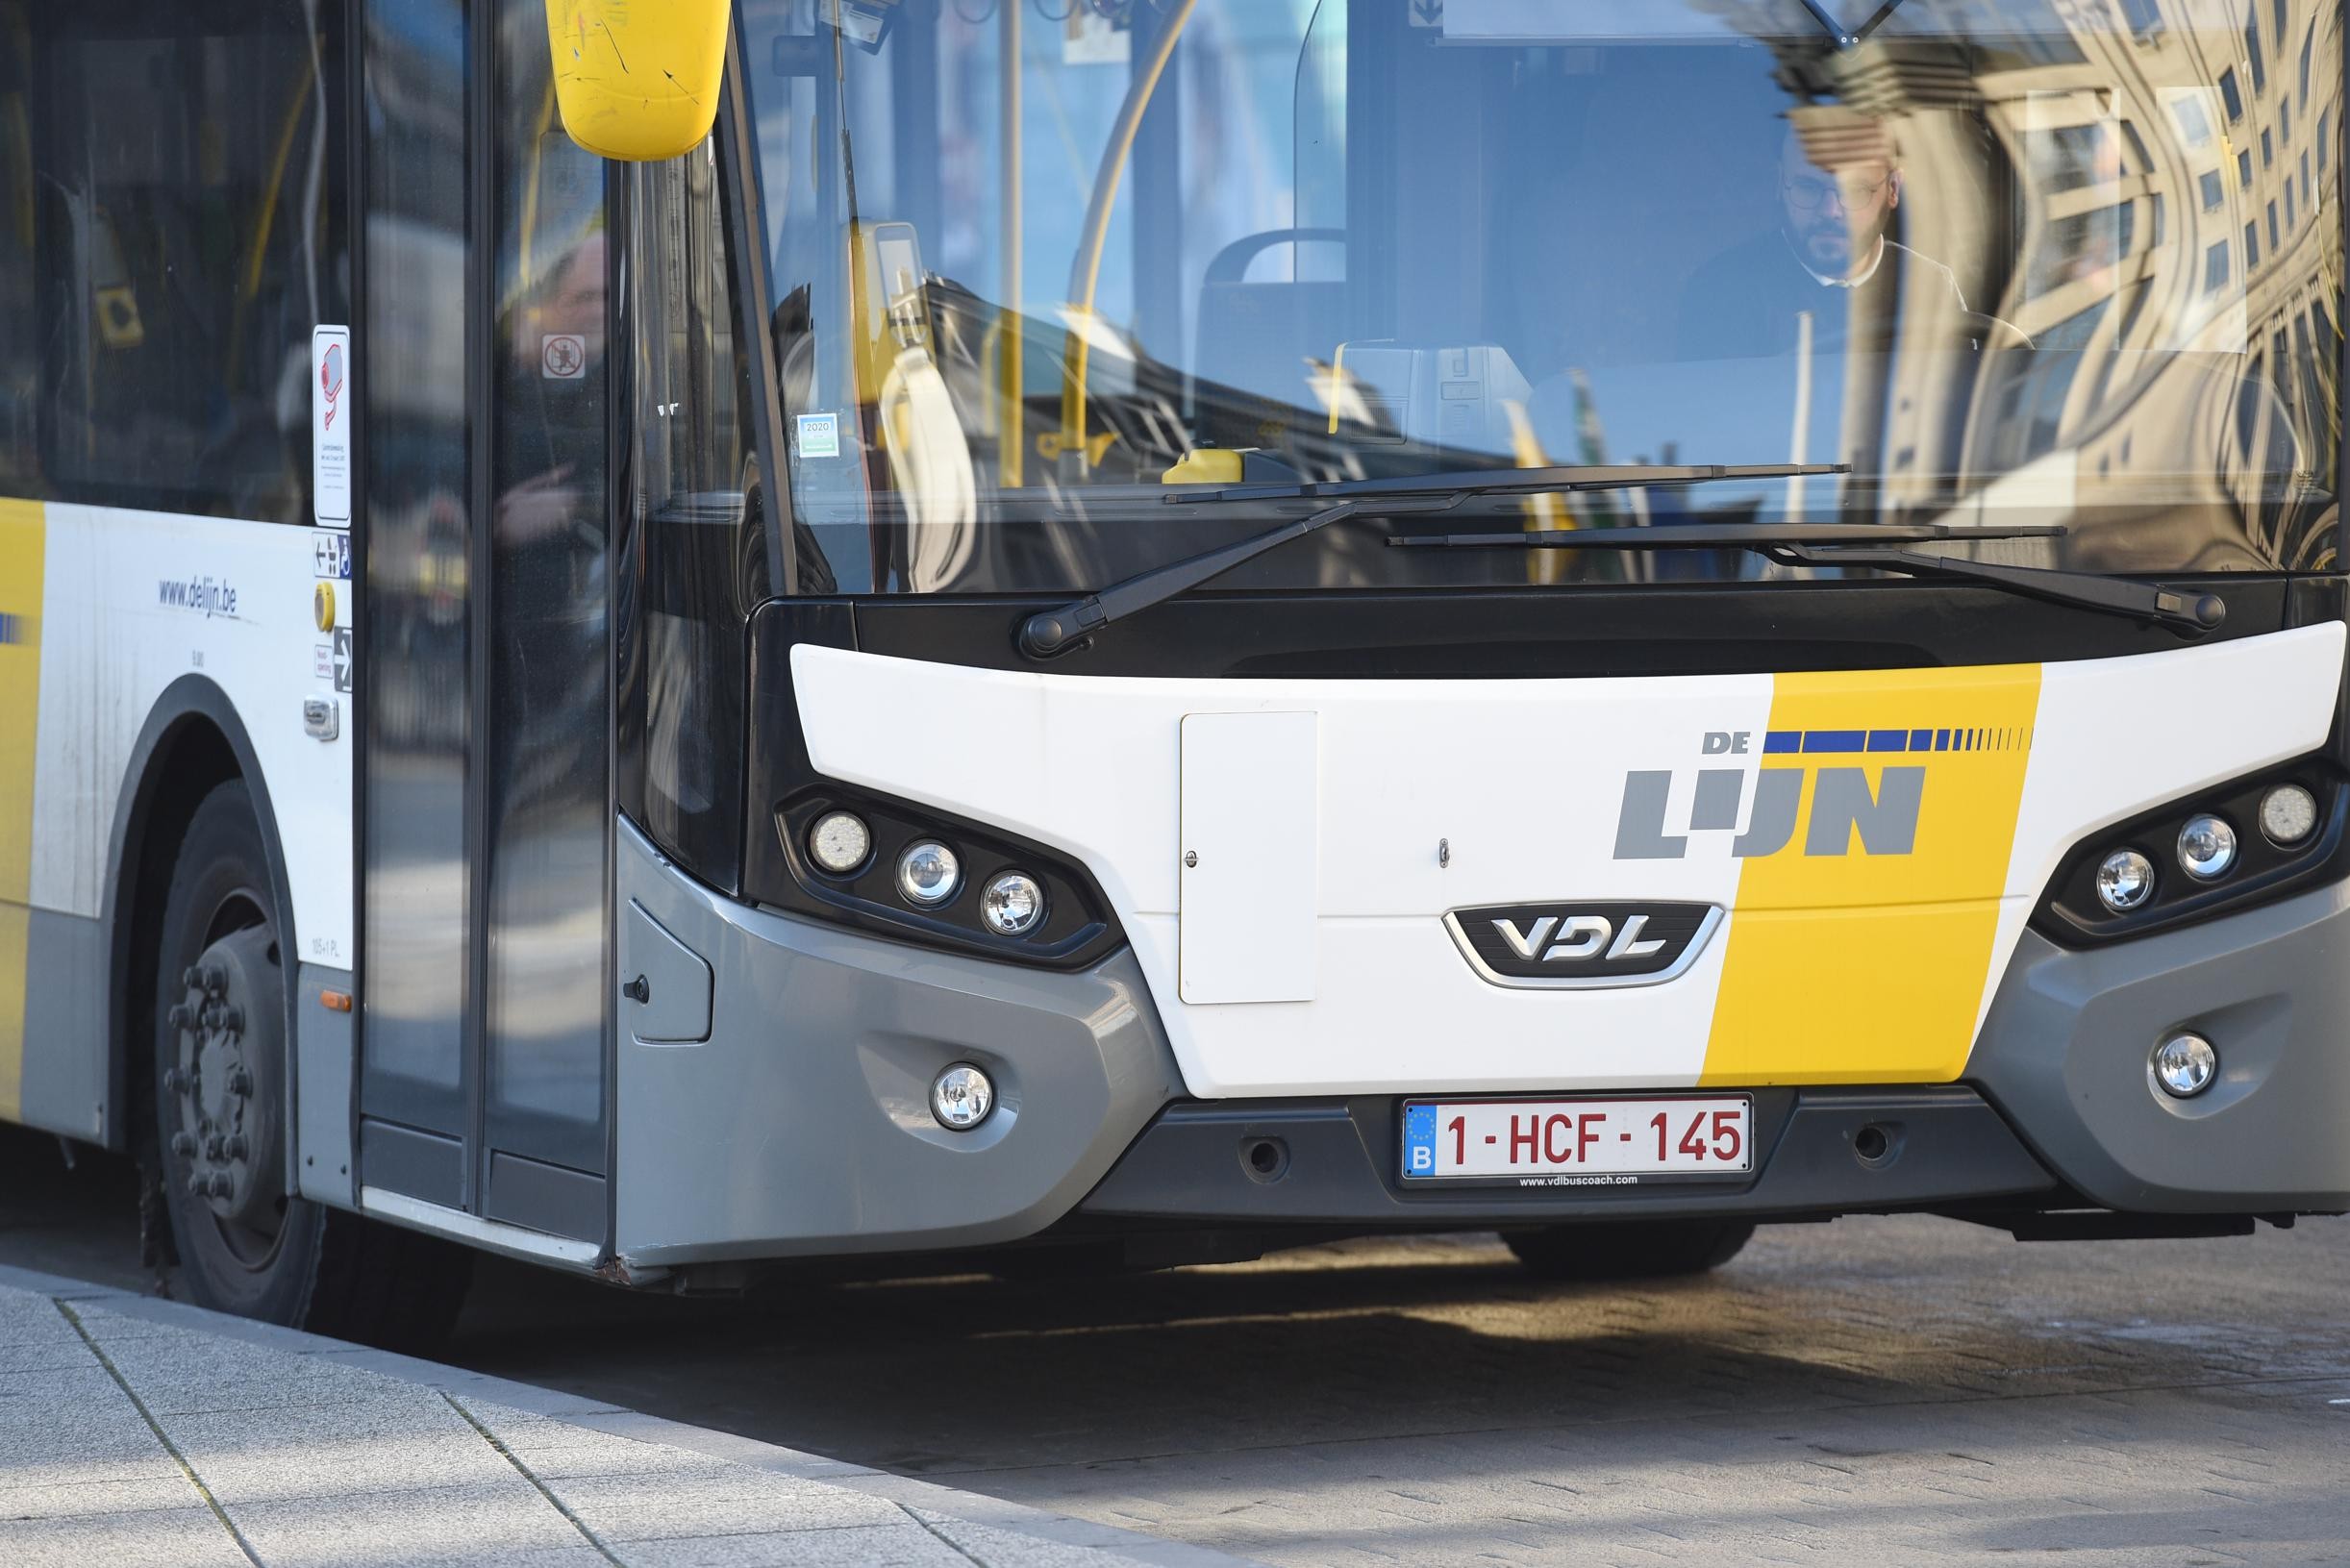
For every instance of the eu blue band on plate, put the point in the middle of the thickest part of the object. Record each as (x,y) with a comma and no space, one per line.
(1419,1141)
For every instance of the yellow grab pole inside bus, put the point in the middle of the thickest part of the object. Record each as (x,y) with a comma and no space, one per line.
(1011,332)
(1086,277)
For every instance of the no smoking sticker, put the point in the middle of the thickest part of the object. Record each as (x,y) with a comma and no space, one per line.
(562,356)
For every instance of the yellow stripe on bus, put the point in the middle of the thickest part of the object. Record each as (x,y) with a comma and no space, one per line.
(1852,963)
(22,536)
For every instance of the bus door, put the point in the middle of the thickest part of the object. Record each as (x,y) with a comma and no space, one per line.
(484,655)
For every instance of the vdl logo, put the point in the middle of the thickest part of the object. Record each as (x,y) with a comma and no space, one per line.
(1843,803)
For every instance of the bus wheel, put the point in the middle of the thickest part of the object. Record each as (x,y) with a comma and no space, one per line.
(246,1243)
(1629,1249)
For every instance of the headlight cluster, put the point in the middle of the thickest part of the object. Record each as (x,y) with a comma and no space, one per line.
(2249,840)
(938,881)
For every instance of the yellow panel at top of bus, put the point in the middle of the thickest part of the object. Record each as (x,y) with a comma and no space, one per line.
(638,79)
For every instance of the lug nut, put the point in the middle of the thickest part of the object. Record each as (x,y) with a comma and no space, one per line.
(241,1083)
(199,1185)
(178,1015)
(175,1079)
(221,1186)
(192,977)
(232,1018)
(235,1148)
(183,1144)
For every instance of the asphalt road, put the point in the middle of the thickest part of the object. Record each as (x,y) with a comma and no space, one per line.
(1874,1391)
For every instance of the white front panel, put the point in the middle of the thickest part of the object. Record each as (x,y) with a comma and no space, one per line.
(1251,831)
(1529,781)
(1520,777)
(131,602)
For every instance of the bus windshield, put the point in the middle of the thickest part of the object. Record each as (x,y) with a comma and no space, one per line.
(1033,264)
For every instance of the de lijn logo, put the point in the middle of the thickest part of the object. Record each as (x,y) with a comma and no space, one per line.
(1846,805)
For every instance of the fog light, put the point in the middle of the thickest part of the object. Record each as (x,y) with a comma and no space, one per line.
(962,1097)
(928,874)
(2125,880)
(2185,1065)
(1013,904)
(2207,847)
(2288,813)
(840,842)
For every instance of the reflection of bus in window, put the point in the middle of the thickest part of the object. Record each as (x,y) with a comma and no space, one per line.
(1152,629)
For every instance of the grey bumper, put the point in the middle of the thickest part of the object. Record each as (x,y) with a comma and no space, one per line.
(801,1125)
(2065,1051)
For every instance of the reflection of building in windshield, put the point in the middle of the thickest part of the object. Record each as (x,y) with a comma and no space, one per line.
(2147,205)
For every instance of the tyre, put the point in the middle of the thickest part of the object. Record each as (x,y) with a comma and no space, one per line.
(245,1243)
(1629,1249)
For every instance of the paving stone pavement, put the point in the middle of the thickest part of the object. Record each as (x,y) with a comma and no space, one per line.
(1905,1392)
(136,1431)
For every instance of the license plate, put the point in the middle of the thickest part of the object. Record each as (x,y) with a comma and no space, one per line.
(1609,1141)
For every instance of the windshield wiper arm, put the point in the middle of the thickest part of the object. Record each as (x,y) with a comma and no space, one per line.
(1720,536)
(2123,596)
(1868,544)
(1049,631)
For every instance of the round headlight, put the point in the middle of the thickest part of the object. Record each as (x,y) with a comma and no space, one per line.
(2288,813)
(2207,847)
(2125,880)
(840,842)
(928,874)
(2185,1065)
(1012,903)
(962,1097)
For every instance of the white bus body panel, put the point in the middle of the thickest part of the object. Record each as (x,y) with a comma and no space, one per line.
(131,602)
(1847,961)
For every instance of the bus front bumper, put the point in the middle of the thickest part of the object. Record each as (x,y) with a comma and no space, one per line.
(800,1125)
(2058,1108)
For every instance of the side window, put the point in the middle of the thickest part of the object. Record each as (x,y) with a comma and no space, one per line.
(19,338)
(697,509)
(186,193)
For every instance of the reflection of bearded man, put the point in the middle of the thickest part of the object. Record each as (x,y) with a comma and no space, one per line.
(1835,216)
(1830,257)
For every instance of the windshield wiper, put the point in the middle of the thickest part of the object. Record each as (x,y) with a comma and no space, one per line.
(1049,631)
(1867,544)
(2145,601)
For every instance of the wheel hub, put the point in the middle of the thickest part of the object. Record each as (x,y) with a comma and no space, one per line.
(224,1077)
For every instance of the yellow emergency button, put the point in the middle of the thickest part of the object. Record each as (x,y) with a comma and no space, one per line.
(322,605)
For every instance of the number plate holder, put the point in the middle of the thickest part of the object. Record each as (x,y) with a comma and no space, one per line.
(1558,1141)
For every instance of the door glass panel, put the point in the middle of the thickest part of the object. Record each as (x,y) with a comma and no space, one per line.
(414,656)
(696,483)
(544,743)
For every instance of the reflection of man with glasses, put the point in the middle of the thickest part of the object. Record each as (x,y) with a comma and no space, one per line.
(1829,257)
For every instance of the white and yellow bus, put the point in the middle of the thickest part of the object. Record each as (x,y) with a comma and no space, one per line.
(672,638)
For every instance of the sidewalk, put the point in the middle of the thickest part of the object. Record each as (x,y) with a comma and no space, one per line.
(139,1431)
